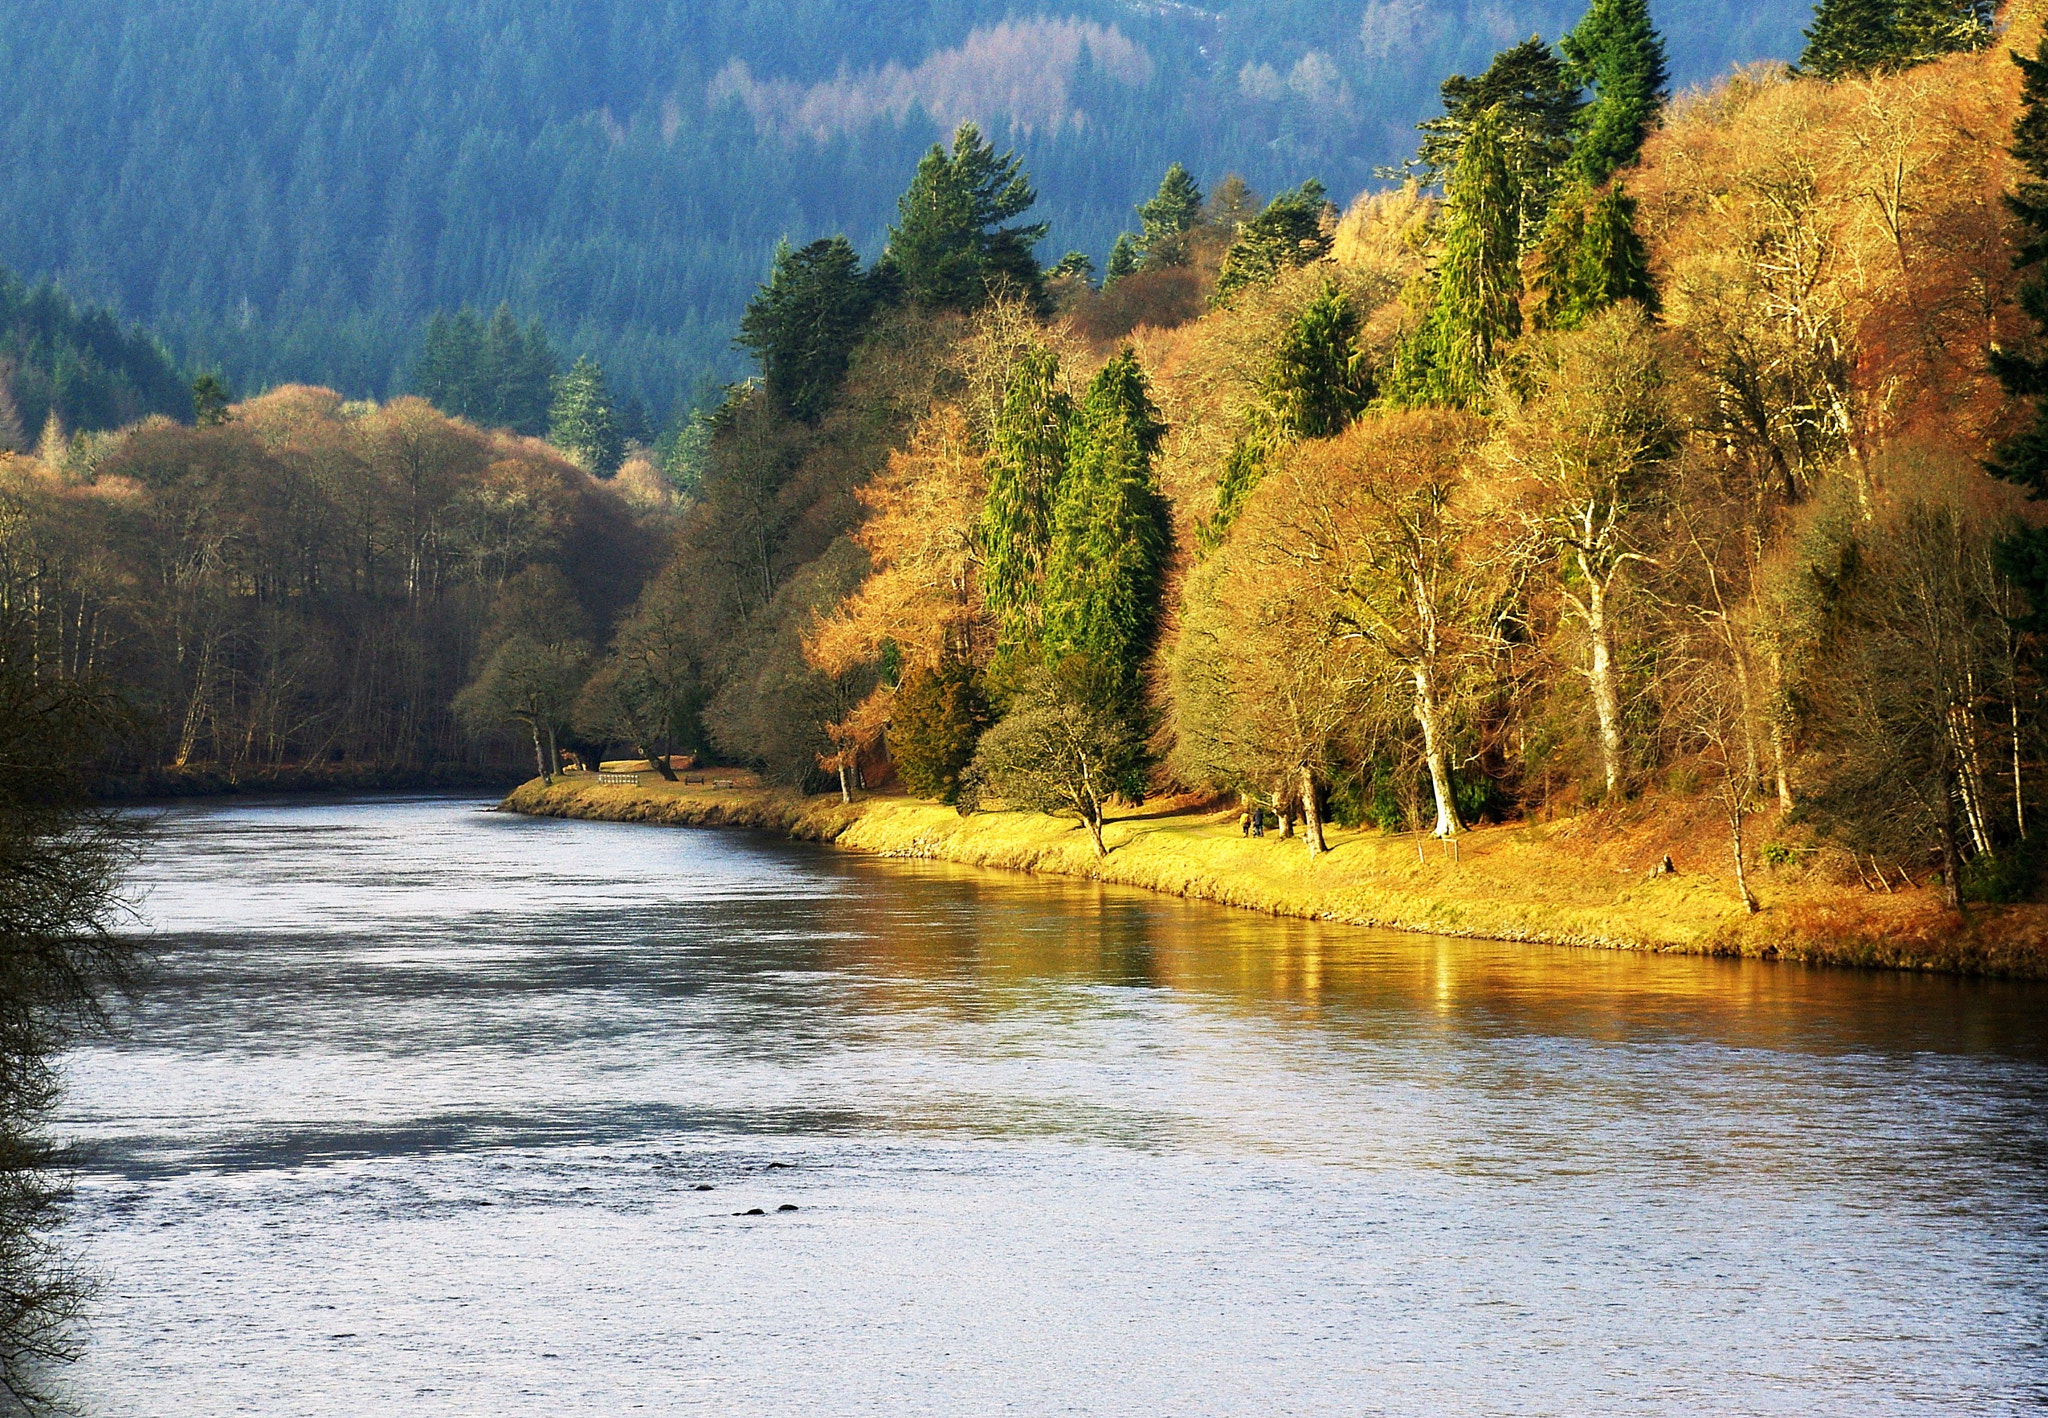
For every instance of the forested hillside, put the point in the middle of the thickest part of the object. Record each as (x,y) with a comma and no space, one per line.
(287,191)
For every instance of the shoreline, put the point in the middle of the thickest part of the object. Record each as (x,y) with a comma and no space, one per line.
(1585,881)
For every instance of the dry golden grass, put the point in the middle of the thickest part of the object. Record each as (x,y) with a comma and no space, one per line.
(1587,880)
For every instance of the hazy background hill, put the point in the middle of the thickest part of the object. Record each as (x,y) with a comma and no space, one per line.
(287,189)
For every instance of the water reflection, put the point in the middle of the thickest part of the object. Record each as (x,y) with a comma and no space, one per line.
(446,1082)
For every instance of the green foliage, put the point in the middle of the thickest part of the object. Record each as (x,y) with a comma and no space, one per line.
(1073,266)
(1027,459)
(935,721)
(1539,103)
(582,424)
(1474,293)
(1852,37)
(79,364)
(210,400)
(1616,52)
(949,248)
(496,375)
(1318,380)
(1173,211)
(1124,258)
(803,324)
(1288,233)
(1109,529)
(2024,459)
(1589,258)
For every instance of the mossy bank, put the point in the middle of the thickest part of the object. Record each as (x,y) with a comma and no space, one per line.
(1585,881)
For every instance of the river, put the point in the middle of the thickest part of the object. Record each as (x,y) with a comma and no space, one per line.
(419,1115)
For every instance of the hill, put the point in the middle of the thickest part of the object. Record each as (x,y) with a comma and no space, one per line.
(287,190)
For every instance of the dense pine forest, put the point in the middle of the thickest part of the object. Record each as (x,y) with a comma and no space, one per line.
(289,192)
(1635,448)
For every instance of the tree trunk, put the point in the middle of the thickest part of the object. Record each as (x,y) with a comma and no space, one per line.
(540,758)
(1094,819)
(660,765)
(1741,872)
(1282,808)
(845,792)
(1778,731)
(1600,677)
(554,756)
(1312,815)
(1969,776)
(1951,850)
(1430,717)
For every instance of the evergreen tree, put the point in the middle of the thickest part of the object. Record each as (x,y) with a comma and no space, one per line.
(1474,294)
(2023,551)
(1316,383)
(582,423)
(1616,52)
(1074,266)
(1027,457)
(1109,533)
(1539,101)
(494,375)
(1173,212)
(949,248)
(803,324)
(1590,257)
(1852,37)
(1287,234)
(528,394)
(1123,259)
(210,400)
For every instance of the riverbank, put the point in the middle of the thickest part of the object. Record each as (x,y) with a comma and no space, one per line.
(163,784)
(1583,881)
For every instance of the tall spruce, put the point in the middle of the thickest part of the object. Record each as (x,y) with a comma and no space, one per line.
(1855,37)
(1026,459)
(1123,259)
(2023,460)
(495,375)
(950,248)
(803,323)
(1473,305)
(1288,233)
(1617,53)
(1590,257)
(1109,533)
(1174,211)
(583,423)
(1317,381)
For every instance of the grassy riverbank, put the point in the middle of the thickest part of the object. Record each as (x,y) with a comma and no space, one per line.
(1587,880)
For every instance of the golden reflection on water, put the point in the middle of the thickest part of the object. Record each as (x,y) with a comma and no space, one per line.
(1018,936)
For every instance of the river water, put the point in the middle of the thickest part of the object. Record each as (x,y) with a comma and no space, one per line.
(419,1113)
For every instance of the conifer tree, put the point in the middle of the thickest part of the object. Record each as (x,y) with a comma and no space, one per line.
(1853,37)
(582,423)
(1474,293)
(1027,457)
(1288,233)
(1123,259)
(1109,532)
(210,400)
(1539,101)
(1074,266)
(1590,257)
(2023,460)
(1317,382)
(803,324)
(1169,216)
(949,247)
(1615,51)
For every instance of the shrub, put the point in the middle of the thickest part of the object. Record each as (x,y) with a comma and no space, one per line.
(936,722)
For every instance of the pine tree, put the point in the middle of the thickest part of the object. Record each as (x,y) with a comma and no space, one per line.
(1174,211)
(528,395)
(504,346)
(210,400)
(949,248)
(582,424)
(1109,533)
(1474,295)
(1590,256)
(1073,266)
(1539,101)
(1316,383)
(804,323)
(1027,457)
(1615,51)
(1853,37)
(1123,259)
(1288,233)
(2023,551)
